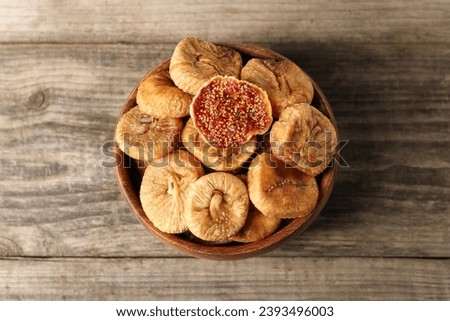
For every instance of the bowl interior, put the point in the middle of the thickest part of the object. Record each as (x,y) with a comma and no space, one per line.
(129,176)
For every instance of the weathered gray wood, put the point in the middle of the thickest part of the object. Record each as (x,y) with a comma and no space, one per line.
(60,102)
(169,21)
(253,279)
(66,69)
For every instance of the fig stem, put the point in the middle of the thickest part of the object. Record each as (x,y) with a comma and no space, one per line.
(170,187)
(147,120)
(215,208)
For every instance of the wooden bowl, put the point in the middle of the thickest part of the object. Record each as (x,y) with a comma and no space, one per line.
(129,177)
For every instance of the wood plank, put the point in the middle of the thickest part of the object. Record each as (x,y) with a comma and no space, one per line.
(253,279)
(169,21)
(59,104)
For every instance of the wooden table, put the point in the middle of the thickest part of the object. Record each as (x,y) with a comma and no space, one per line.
(67,68)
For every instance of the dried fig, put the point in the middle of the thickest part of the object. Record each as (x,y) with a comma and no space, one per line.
(305,138)
(216,158)
(164,188)
(257,227)
(227,112)
(280,191)
(284,82)
(143,137)
(158,97)
(217,206)
(195,61)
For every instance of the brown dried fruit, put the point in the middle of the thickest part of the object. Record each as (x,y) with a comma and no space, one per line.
(305,138)
(284,82)
(217,206)
(158,97)
(280,191)
(228,112)
(216,158)
(257,227)
(142,137)
(195,61)
(164,188)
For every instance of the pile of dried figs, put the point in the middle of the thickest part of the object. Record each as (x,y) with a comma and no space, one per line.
(231,147)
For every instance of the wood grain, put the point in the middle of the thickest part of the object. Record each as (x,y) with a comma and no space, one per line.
(250,21)
(253,279)
(67,68)
(60,104)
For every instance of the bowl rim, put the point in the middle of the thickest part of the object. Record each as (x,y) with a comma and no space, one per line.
(232,250)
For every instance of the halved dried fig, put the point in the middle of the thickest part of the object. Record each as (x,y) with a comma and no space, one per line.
(164,188)
(227,112)
(216,158)
(284,82)
(158,97)
(217,206)
(195,61)
(143,137)
(305,138)
(280,191)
